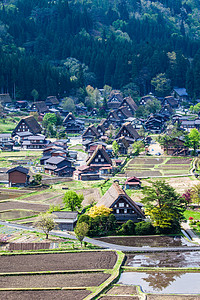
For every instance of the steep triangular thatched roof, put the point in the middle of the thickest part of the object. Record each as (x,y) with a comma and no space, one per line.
(113,194)
(91,130)
(128,101)
(129,128)
(102,151)
(69,117)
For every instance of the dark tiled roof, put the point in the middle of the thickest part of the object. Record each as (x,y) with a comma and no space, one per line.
(55,160)
(19,169)
(65,214)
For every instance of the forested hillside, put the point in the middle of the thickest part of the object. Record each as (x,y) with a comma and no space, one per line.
(58,47)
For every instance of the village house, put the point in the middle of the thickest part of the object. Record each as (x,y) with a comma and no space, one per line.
(101,129)
(180,94)
(128,132)
(99,159)
(54,149)
(34,142)
(22,104)
(177,147)
(169,100)
(6,143)
(155,123)
(145,99)
(123,145)
(81,110)
(93,113)
(86,173)
(27,124)
(40,107)
(52,102)
(5,99)
(113,119)
(90,133)
(114,101)
(123,207)
(132,183)
(130,104)
(72,125)
(18,176)
(124,113)
(59,166)
(65,220)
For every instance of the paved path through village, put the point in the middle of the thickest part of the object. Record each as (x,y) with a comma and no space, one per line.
(104,244)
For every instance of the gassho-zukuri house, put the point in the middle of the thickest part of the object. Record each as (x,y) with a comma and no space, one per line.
(124,208)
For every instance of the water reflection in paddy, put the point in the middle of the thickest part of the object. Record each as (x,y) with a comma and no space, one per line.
(165,259)
(163,282)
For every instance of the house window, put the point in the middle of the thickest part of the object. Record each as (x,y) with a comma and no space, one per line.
(125,211)
(102,160)
(115,205)
(117,211)
(99,156)
(127,205)
(132,211)
(121,204)
(96,160)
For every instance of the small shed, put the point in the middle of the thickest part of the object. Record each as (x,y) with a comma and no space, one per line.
(18,176)
(65,220)
(133,183)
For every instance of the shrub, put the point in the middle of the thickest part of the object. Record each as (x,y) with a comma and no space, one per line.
(144,228)
(127,228)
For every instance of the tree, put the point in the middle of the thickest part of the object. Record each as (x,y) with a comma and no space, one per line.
(72,200)
(49,119)
(162,84)
(68,104)
(138,147)
(35,95)
(46,223)
(115,147)
(81,231)
(163,205)
(165,140)
(194,139)
(195,194)
(37,179)
(101,210)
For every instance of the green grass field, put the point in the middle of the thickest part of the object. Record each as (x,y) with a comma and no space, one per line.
(194,214)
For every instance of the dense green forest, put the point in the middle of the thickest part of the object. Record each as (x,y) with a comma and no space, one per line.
(58,47)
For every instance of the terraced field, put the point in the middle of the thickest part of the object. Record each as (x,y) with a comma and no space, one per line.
(57,275)
(157,166)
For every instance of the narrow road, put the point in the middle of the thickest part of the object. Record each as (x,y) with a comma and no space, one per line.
(107,245)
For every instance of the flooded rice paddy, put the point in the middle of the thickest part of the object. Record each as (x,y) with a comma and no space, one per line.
(148,241)
(165,260)
(163,282)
